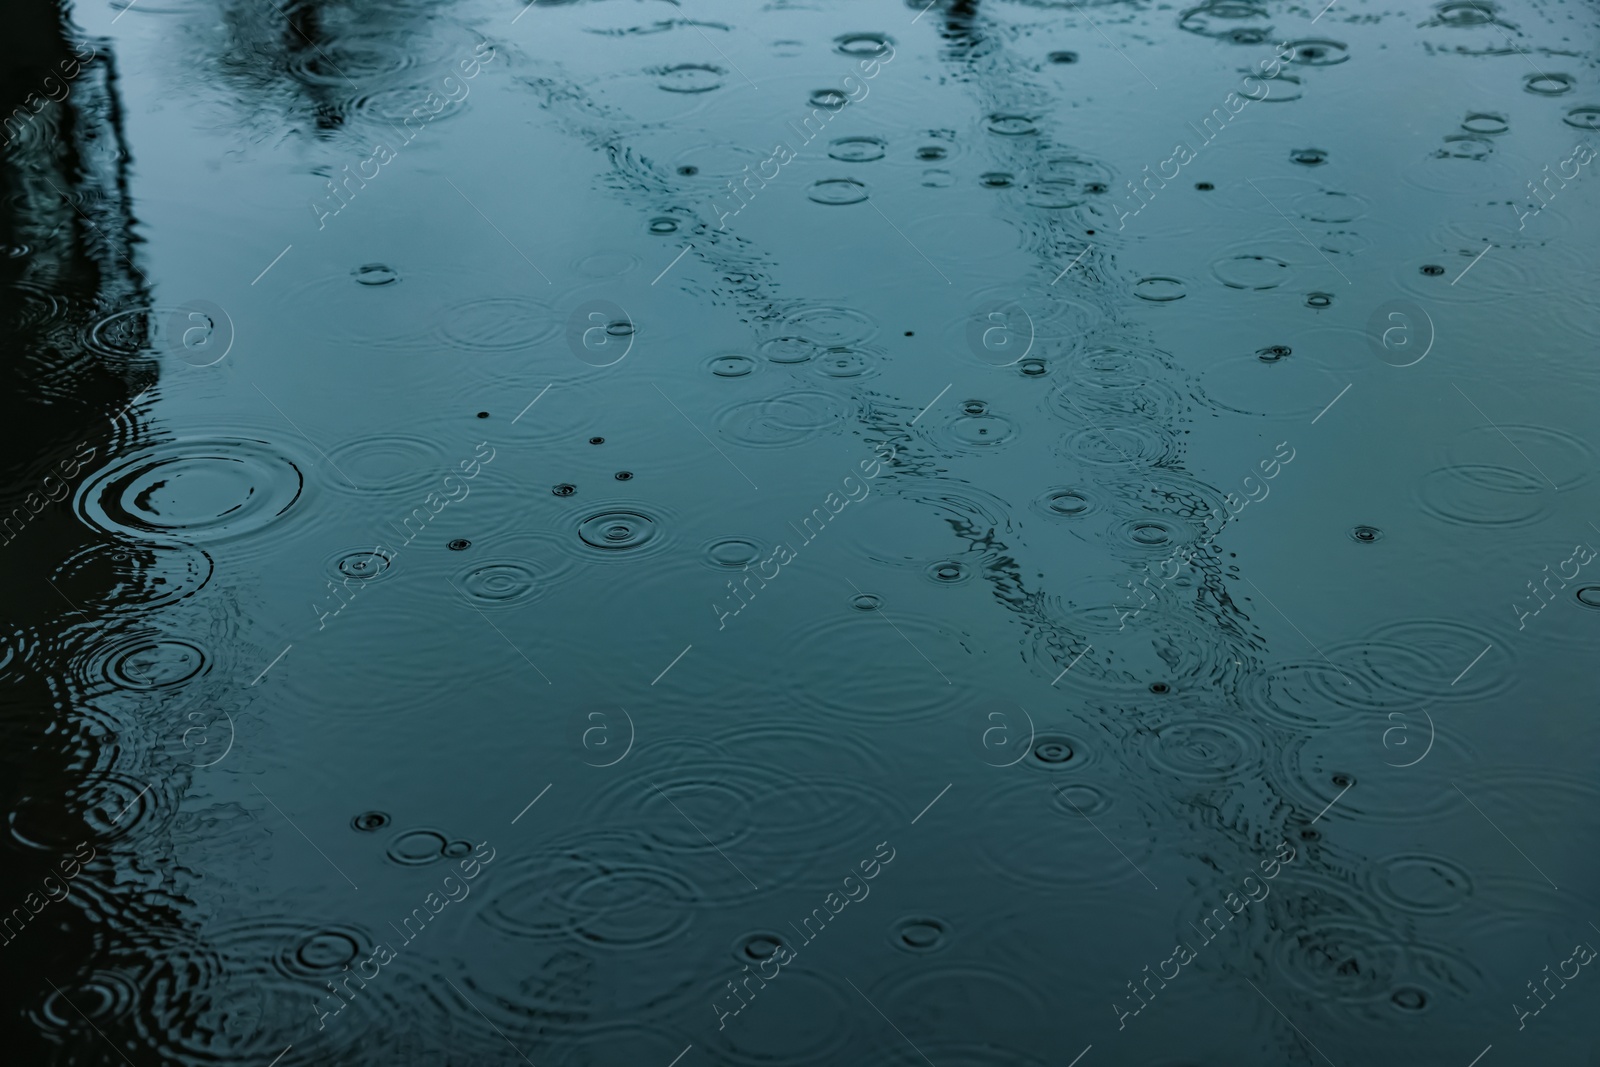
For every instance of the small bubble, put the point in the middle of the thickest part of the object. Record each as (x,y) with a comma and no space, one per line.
(460,544)
(1433,270)
(1033,368)
(375,274)
(1063,57)
(688,170)
(369,821)
(1273,353)
(1309,157)
(1160,687)
(663,226)
(1365,534)
(624,476)
(1589,596)
(597,440)
(974,407)
(1204,187)
(1342,780)
(483,414)
(564,489)
(1318,300)
(866,601)
(908,333)
(1408,999)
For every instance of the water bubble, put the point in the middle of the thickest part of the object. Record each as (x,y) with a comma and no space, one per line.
(932,153)
(757,946)
(866,601)
(1409,999)
(1033,368)
(564,489)
(483,414)
(996,179)
(375,274)
(837,191)
(1204,187)
(1365,534)
(1318,300)
(369,821)
(688,170)
(920,934)
(1063,57)
(1588,596)
(460,544)
(599,332)
(624,476)
(663,225)
(1160,688)
(857,149)
(414,848)
(1432,270)
(1052,751)
(1308,157)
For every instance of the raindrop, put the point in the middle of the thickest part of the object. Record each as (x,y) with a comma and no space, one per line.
(369,821)
(866,601)
(1318,300)
(1309,157)
(1432,270)
(564,489)
(624,476)
(1063,57)
(1365,534)
(837,191)
(1549,84)
(829,99)
(460,544)
(1272,353)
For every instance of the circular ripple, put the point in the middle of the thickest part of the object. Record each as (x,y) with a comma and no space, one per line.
(731,366)
(497,324)
(114,578)
(1421,884)
(1064,502)
(1159,290)
(863,45)
(831,324)
(890,685)
(1584,118)
(193,489)
(779,422)
(359,564)
(836,192)
(1036,841)
(601,889)
(102,808)
(147,660)
(1135,443)
(417,848)
(1482,494)
(1248,270)
(618,530)
(857,149)
(389,464)
(689,78)
(1564,457)
(1549,84)
(1012,125)
(1211,750)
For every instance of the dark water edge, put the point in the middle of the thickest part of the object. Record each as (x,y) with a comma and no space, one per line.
(939,533)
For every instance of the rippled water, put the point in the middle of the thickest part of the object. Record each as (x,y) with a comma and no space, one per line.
(954,532)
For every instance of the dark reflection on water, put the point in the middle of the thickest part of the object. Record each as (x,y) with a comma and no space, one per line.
(596,533)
